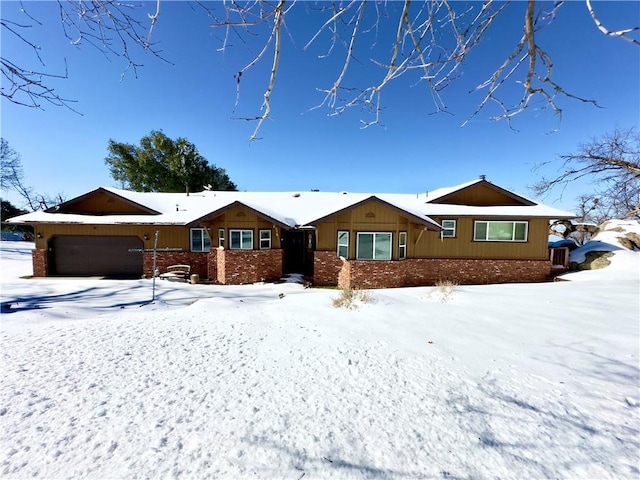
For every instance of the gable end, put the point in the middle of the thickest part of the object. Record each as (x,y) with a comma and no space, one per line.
(484,194)
(420,220)
(232,205)
(102,202)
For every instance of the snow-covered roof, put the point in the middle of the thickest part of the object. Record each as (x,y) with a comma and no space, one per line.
(444,191)
(290,209)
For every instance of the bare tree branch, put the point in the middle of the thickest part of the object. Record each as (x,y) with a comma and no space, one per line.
(12,178)
(435,37)
(612,162)
(432,42)
(624,34)
(110,26)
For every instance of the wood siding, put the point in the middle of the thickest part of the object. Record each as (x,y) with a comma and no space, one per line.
(422,243)
(170,236)
(482,195)
(238,218)
(368,217)
(431,245)
(102,203)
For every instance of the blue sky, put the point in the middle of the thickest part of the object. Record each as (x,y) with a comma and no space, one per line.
(301,148)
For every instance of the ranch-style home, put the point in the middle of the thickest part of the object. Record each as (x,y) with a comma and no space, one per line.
(473,233)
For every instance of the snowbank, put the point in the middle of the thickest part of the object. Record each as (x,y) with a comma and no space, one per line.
(271,381)
(610,239)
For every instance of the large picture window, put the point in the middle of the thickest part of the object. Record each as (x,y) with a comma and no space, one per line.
(241,239)
(343,244)
(200,240)
(448,228)
(493,231)
(373,246)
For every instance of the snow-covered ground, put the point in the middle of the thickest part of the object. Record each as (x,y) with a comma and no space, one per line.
(272,381)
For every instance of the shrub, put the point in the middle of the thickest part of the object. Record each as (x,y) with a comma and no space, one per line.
(351,298)
(444,290)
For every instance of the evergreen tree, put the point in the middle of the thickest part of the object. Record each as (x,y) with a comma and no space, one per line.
(160,164)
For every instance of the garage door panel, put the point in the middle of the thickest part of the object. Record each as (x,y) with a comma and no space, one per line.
(82,255)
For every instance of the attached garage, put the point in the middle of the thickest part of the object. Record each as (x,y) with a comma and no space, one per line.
(84,255)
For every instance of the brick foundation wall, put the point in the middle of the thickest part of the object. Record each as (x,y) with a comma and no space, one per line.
(236,267)
(326,267)
(374,274)
(477,272)
(197,260)
(427,271)
(40,263)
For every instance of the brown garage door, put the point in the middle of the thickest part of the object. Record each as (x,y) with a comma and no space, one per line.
(81,255)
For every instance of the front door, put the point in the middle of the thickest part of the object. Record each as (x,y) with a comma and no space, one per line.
(299,246)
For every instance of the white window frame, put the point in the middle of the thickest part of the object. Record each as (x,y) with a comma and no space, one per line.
(402,245)
(266,246)
(344,245)
(374,245)
(452,229)
(203,240)
(242,245)
(221,237)
(513,231)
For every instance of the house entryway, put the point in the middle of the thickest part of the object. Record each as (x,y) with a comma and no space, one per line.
(298,246)
(88,255)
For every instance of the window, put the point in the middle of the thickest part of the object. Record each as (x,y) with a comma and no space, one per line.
(241,239)
(221,237)
(265,239)
(489,231)
(200,240)
(373,246)
(343,244)
(402,245)
(448,228)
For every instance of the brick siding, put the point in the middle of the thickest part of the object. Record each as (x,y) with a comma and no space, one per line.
(197,260)
(477,272)
(344,277)
(220,266)
(427,271)
(373,274)
(236,267)
(212,265)
(326,267)
(40,263)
